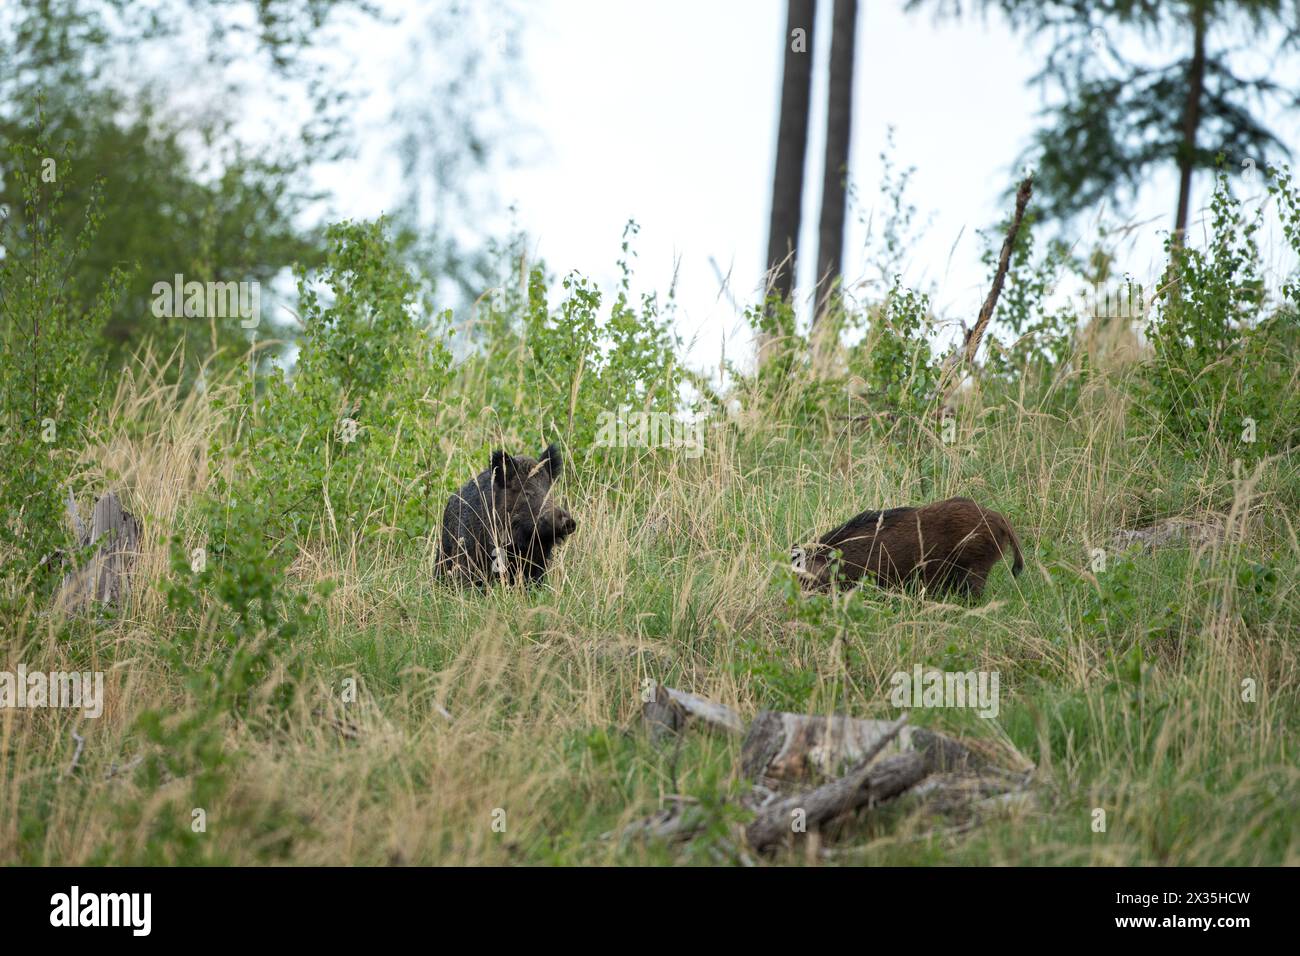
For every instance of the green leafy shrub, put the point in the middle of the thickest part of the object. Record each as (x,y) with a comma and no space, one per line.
(895,359)
(1223,365)
(51,369)
(555,372)
(349,432)
(785,382)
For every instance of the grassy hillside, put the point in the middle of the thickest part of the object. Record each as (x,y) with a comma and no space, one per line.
(1124,686)
(323,699)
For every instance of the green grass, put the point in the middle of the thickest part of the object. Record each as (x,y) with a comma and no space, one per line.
(1122,687)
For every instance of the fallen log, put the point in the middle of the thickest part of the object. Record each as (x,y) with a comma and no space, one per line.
(867,786)
(882,781)
(1171,531)
(669,711)
(960,793)
(781,750)
(674,824)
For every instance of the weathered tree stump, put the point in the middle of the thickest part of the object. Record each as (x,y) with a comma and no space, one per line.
(104,577)
(783,748)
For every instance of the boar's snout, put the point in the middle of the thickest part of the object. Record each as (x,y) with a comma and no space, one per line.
(564,524)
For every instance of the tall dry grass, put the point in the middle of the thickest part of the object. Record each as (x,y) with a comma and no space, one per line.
(502,726)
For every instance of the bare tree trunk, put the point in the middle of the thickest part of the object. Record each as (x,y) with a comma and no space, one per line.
(1191,120)
(839,121)
(964,354)
(791,147)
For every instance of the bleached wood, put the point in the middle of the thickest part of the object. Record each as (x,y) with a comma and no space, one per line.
(103,578)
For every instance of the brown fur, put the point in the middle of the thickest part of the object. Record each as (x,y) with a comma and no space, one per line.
(948,546)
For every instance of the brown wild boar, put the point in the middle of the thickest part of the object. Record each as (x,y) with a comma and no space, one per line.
(948,546)
(505,524)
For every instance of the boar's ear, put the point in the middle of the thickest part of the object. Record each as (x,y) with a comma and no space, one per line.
(500,462)
(553,460)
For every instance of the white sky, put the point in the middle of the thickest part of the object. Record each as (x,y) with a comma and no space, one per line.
(666,113)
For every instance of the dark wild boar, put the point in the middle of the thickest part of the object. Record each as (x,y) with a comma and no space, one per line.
(504,525)
(948,546)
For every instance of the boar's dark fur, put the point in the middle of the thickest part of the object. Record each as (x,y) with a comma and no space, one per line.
(505,524)
(948,546)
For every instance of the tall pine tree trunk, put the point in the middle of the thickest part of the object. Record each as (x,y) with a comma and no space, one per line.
(791,146)
(839,121)
(1191,120)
